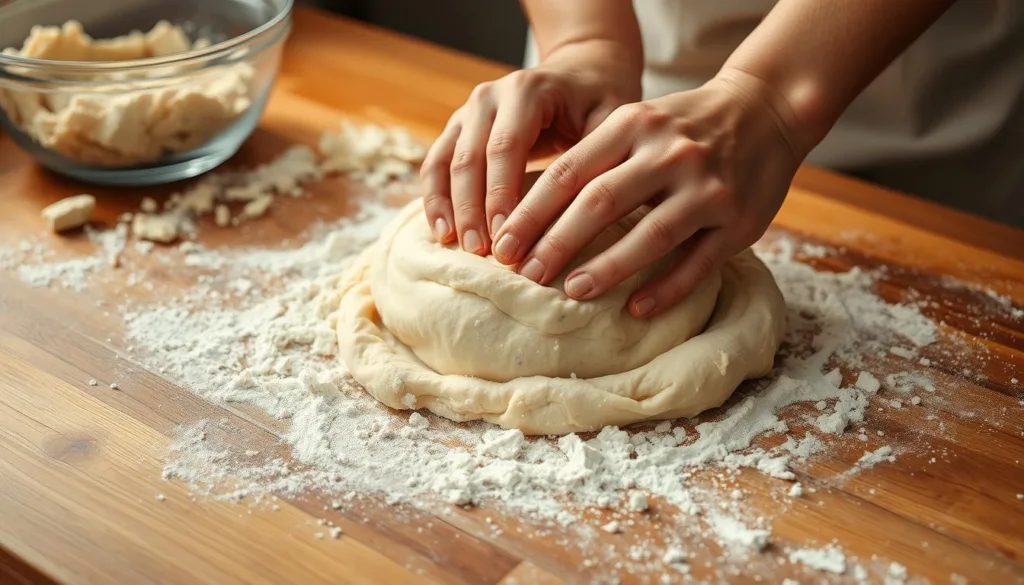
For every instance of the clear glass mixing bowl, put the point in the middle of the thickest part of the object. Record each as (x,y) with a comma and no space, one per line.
(146,120)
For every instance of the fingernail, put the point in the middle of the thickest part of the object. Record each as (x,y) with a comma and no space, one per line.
(471,242)
(579,285)
(533,270)
(505,249)
(441,229)
(496,222)
(644,306)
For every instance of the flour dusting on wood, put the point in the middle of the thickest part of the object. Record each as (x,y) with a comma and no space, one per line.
(255,328)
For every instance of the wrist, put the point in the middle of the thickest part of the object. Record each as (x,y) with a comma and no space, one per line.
(800,108)
(610,65)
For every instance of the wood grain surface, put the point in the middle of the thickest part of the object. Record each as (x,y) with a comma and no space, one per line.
(80,466)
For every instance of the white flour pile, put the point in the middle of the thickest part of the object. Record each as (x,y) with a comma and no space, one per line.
(278,354)
(257,328)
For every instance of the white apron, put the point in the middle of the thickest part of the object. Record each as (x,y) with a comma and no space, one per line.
(945,121)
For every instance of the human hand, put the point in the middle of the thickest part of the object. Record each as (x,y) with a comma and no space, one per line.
(714,163)
(472,175)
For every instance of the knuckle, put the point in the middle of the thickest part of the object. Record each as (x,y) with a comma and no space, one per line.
(500,193)
(555,247)
(466,207)
(503,142)
(463,161)
(682,151)
(433,200)
(627,115)
(659,235)
(562,175)
(480,93)
(608,271)
(702,265)
(671,293)
(528,220)
(655,118)
(598,201)
(523,79)
(722,199)
(431,165)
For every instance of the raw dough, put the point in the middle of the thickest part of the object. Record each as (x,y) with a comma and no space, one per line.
(115,124)
(422,325)
(69,213)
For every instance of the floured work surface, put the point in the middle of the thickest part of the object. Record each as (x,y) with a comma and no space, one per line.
(181,417)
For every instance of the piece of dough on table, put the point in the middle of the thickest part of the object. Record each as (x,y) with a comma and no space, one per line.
(422,325)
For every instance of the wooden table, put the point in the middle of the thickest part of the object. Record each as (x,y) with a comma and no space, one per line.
(79,466)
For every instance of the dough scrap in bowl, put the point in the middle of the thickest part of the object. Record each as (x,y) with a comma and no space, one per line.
(422,325)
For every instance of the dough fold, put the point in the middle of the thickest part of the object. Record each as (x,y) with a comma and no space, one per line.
(421,325)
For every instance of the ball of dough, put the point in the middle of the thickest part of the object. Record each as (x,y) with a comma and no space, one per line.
(461,314)
(422,325)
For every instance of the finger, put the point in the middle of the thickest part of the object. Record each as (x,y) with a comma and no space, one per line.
(708,252)
(604,149)
(435,182)
(598,116)
(516,128)
(668,225)
(604,201)
(468,174)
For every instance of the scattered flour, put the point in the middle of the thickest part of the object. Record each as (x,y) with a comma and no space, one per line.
(829,558)
(732,533)
(896,575)
(257,328)
(277,350)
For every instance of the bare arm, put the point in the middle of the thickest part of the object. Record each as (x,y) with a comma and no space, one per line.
(816,56)
(604,31)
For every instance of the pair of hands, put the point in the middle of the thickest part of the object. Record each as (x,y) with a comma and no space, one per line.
(713,163)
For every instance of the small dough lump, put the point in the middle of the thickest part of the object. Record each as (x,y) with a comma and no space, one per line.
(422,325)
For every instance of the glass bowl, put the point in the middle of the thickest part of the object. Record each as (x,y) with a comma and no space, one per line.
(178,89)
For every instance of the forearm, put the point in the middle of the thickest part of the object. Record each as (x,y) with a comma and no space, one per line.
(816,56)
(603,31)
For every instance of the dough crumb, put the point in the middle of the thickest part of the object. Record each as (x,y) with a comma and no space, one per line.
(611,527)
(114,386)
(679,433)
(222,216)
(867,382)
(93,382)
(638,502)
(161,497)
(418,421)
(796,490)
(902,352)
(69,213)
(674,556)
(143,247)
(156,228)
